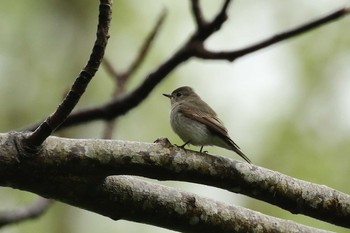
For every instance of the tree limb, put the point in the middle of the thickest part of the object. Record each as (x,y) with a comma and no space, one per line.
(197,13)
(123,103)
(101,158)
(74,171)
(36,138)
(201,52)
(124,197)
(33,210)
(121,78)
(192,48)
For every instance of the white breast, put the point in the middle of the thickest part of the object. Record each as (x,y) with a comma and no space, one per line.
(189,130)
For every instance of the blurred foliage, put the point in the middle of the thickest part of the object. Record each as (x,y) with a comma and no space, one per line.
(292,98)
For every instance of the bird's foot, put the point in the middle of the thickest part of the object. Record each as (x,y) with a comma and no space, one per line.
(182,146)
(201,150)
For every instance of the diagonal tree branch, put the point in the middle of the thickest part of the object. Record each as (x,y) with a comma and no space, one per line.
(121,78)
(123,103)
(192,48)
(34,210)
(36,138)
(147,44)
(141,54)
(201,52)
(100,158)
(81,166)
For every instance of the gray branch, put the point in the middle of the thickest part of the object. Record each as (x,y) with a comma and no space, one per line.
(124,197)
(19,214)
(81,166)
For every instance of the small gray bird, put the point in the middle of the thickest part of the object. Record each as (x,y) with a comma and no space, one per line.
(196,123)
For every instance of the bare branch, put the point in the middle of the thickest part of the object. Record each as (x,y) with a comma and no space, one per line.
(147,44)
(34,210)
(54,169)
(110,69)
(222,16)
(194,47)
(209,28)
(197,14)
(45,129)
(201,52)
(141,54)
(121,78)
(120,81)
(119,196)
(123,197)
(109,129)
(123,103)
(163,161)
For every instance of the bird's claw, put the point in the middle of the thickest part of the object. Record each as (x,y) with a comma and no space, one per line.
(182,146)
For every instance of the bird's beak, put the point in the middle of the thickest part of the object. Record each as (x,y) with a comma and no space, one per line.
(167,95)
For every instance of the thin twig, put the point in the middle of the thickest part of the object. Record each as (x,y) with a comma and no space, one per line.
(35,139)
(210,27)
(113,73)
(122,78)
(122,104)
(231,56)
(197,14)
(147,44)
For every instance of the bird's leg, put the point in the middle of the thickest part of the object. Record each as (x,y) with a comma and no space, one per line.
(205,152)
(183,146)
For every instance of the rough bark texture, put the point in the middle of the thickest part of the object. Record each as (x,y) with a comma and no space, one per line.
(83,172)
(74,171)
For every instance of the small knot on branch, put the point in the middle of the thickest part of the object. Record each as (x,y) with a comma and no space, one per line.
(24,147)
(163,141)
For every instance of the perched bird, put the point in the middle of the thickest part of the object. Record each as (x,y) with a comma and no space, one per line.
(196,123)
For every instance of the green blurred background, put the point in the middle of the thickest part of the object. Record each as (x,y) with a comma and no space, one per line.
(287,106)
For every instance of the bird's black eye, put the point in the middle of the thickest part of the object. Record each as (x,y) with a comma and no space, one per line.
(178,94)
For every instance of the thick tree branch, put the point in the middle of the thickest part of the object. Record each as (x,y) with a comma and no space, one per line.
(123,197)
(34,210)
(81,166)
(36,138)
(101,158)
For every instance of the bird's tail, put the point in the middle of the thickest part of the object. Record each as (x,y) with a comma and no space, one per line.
(235,148)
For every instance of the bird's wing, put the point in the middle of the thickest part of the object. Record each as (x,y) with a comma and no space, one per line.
(212,122)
